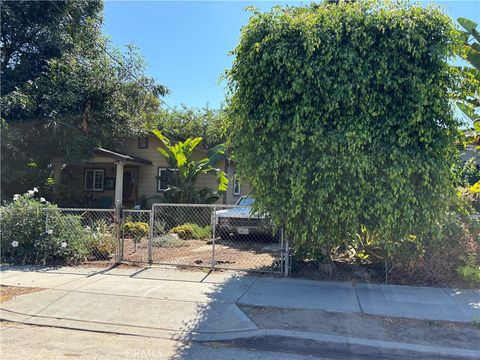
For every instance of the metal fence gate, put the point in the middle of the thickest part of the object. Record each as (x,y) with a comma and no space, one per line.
(198,235)
(135,235)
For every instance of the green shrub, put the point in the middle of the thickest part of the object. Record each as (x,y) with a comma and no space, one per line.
(159,227)
(438,258)
(136,230)
(470,274)
(331,134)
(192,231)
(202,232)
(35,231)
(169,241)
(105,240)
(184,231)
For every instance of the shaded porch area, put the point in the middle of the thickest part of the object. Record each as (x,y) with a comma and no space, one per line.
(108,180)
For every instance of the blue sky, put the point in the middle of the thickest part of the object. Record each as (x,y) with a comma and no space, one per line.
(186,44)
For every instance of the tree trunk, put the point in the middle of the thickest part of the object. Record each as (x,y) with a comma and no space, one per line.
(57,165)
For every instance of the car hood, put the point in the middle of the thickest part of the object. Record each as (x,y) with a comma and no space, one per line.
(238,212)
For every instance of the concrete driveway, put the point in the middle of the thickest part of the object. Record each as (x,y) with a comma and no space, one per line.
(150,302)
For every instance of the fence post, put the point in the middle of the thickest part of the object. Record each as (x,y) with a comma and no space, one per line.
(386,271)
(214,222)
(282,253)
(287,259)
(150,235)
(118,221)
(46,221)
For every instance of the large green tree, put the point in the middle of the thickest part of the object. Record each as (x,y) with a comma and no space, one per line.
(341,119)
(34,32)
(65,89)
(189,122)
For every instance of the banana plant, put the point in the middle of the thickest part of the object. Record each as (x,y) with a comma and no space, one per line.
(185,171)
(470,103)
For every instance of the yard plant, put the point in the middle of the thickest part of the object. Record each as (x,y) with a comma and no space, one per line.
(469,101)
(136,229)
(184,171)
(341,118)
(34,231)
(65,90)
(192,231)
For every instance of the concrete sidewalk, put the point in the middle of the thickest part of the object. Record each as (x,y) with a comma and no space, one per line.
(223,288)
(424,303)
(203,306)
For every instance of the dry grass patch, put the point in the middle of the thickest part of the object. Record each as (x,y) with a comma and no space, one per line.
(10,292)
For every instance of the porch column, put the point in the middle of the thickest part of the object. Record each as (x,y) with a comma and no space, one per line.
(119,184)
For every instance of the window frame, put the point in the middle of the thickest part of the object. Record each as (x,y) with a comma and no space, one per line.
(146,142)
(237,181)
(95,171)
(160,168)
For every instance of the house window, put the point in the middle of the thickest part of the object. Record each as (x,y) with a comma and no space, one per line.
(94,179)
(165,178)
(236,186)
(143,142)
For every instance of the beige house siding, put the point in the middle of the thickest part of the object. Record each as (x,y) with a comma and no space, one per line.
(147,181)
(74,177)
(230,197)
(147,175)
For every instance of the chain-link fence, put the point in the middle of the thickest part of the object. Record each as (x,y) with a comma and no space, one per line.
(216,236)
(49,235)
(225,237)
(88,234)
(437,261)
(136,236)
(445,260)
(210,236)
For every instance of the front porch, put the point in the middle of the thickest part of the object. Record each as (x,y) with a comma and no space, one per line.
(108,180)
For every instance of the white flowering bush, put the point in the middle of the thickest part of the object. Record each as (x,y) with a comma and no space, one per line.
(27,236)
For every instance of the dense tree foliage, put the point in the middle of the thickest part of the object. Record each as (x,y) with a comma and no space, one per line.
(189,122)
(34,32)
(65,89)
(341,117)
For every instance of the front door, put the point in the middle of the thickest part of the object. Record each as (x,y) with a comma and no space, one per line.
(130,186)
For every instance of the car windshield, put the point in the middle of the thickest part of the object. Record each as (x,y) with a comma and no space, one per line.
(245,201)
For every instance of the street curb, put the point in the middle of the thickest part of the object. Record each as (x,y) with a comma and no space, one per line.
(299,339)
(347,344)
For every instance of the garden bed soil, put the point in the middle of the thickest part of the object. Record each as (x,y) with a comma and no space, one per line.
(245,255)
(440,333)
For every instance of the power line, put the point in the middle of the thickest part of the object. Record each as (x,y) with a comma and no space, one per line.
(146,86)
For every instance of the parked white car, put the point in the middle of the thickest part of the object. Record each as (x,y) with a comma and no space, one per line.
(240,220)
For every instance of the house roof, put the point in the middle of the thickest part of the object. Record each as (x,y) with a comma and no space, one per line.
(119,156)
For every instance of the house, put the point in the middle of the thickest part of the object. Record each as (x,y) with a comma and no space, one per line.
(135,175)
